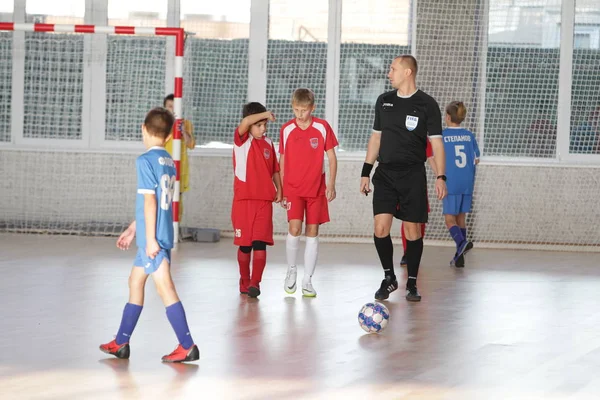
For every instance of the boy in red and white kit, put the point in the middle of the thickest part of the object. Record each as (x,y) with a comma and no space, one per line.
(256,186)
(302,143)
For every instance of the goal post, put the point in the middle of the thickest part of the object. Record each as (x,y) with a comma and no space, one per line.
(178,34)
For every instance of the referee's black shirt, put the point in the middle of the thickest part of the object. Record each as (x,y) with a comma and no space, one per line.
(404,123)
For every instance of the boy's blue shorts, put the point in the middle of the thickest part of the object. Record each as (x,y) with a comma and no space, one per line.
(151,265)
(454,204)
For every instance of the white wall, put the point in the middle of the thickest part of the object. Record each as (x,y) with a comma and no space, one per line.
(514,205)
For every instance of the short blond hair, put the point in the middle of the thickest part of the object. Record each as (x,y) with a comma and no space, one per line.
(457,112)
(303,96)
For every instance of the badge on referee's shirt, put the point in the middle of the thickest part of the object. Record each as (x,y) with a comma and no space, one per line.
(314,142)
(411,122)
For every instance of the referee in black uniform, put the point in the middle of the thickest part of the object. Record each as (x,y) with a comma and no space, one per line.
(403,119)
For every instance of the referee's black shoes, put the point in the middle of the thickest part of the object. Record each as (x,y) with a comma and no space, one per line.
(388,285)
(412,294)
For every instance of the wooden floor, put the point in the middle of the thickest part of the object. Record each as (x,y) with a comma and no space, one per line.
(512,325)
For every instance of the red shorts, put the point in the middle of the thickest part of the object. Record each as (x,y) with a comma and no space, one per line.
(252,220)
(317,209)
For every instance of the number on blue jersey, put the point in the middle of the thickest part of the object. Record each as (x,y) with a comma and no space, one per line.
(461,156)
(167,186)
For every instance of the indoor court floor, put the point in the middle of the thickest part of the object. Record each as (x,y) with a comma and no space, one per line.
(511,325)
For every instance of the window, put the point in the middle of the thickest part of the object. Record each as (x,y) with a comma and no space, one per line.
(6,9)
(135,67)
(216,67)
(53,72)
(585,96)
(373,33)
(137,12)
(61,12)
(582,41)
(297,56)
(522,78)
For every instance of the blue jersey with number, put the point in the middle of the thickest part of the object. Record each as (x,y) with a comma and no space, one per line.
(156,176)
(461,151)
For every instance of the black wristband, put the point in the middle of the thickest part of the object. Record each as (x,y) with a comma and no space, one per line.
(366,170)
(442,177)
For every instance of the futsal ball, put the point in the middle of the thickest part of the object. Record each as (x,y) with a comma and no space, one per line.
(373,317)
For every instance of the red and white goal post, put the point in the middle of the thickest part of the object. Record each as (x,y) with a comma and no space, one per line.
(178,34)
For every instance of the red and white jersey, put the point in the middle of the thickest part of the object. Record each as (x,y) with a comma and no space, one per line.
(304,167)
(254,163)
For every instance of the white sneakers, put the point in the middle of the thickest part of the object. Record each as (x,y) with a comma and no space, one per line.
(290,280)
(290,284)
(308,290)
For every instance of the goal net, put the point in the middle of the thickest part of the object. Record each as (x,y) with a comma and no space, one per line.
(504,61)
(76,98)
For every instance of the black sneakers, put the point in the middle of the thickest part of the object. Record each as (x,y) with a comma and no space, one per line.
(253,291)
(388,285)
(412,294)
(458,260)
(460,254)
(403,262)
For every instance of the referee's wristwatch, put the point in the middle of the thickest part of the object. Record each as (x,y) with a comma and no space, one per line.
(442,177)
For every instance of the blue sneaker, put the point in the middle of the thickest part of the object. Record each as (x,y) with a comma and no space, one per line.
(459,263)
(463,249)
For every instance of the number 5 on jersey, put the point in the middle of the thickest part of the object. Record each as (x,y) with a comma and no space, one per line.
(461,156)
(167,190)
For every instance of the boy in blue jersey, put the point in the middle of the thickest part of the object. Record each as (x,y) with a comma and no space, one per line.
(462,152)
(153,230)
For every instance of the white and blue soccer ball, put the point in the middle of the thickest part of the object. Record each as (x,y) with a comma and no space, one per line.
(373,317)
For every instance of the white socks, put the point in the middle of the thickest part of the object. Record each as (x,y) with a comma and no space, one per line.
(291,249)
(311,253)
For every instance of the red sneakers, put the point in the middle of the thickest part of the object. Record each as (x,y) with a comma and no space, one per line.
(182,355)
(119,351)
(178,355)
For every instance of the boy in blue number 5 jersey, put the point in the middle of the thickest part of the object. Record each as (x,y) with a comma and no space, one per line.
(153,230)
(462,154)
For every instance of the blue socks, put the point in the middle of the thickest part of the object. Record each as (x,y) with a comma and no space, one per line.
(131,314)
(176,316)
(457,235)
(464,232)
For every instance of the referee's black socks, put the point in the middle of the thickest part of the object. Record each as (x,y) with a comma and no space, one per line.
(414,251)
(385,250)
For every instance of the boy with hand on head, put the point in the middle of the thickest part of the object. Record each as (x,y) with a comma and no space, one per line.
(153,230)
(303,141)
(256,186)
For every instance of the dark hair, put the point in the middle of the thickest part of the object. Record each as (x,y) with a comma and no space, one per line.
(409,62)
(167,98)
(159,122)
(253,108)
(457,111)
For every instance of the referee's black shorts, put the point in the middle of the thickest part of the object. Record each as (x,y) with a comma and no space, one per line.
(402,193)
